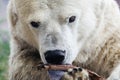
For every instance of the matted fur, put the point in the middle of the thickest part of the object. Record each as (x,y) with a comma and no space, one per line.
(93,41)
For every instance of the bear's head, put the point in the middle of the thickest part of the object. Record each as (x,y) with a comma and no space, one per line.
(57,28)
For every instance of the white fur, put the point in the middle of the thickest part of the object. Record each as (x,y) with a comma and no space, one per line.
(96,22)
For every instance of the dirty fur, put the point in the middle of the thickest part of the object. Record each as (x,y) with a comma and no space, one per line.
(94,44)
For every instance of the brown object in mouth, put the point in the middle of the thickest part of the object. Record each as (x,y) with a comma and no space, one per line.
(55,67)
(92,75)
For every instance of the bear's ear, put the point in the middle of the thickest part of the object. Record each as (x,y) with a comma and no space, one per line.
(111,8)
(109,12)
(12,15)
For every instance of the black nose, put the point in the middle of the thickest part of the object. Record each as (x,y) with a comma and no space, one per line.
(55,56)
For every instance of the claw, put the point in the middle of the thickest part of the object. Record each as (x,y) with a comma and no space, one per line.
(78,73)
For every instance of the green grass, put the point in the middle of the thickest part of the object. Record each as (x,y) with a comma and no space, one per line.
(4,53)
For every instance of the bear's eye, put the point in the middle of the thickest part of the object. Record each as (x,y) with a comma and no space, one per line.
(72,19)
(35,24)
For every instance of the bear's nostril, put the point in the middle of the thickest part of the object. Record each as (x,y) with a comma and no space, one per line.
(55,56)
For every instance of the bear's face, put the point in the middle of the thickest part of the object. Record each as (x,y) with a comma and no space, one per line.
(57,28)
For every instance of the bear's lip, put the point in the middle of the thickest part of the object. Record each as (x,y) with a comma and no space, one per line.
(55,75)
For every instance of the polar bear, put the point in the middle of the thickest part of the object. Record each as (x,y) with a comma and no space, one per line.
(86,32)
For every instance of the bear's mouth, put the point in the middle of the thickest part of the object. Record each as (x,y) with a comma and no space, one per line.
(55,71)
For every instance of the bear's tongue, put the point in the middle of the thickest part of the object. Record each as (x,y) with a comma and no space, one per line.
(55,75)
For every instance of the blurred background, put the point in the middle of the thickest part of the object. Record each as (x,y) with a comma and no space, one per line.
(4,40)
